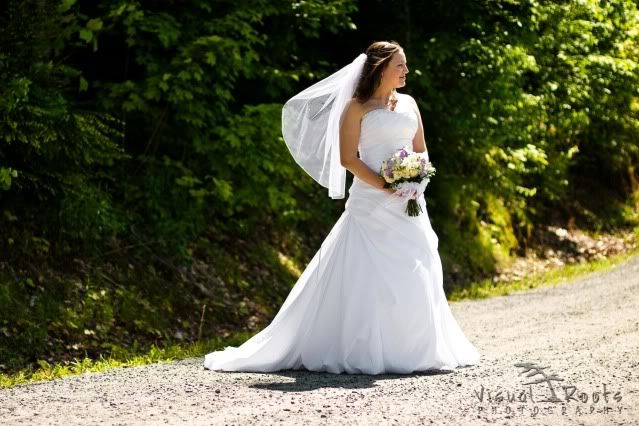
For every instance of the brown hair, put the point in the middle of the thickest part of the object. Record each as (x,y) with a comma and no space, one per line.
(378,55)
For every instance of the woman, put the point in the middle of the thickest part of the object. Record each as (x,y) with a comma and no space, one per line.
(371,300)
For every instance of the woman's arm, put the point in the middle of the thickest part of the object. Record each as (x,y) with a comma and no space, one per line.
(349,133)
(419,143)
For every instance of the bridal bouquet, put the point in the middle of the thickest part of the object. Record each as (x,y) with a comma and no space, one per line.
(408,173)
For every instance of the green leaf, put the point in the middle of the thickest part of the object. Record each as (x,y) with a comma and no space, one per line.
(94,24)
(86,35)
(66,5)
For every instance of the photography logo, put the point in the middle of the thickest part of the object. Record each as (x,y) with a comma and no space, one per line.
(545,394)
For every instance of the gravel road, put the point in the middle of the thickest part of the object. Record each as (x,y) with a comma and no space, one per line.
(578,343)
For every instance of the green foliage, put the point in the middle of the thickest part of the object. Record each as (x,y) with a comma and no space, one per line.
(6,176)
(200,155)
(132,303)
(514,100)
(141,133)
(57,153)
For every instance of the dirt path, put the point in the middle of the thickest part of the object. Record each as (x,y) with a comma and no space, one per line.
(586,333)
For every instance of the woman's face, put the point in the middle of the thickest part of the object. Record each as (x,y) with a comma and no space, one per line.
(396,70)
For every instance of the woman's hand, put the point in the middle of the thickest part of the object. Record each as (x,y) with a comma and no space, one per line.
(389,190)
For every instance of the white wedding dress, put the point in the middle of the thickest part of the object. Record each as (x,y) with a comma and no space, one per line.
(371,300)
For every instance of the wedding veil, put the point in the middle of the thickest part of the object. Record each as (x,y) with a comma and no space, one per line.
(311,121)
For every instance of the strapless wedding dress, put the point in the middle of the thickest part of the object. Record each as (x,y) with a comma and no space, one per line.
(371,300)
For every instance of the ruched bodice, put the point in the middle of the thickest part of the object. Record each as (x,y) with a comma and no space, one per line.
(383,132)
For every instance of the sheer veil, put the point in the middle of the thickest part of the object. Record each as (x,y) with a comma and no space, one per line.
(311,121)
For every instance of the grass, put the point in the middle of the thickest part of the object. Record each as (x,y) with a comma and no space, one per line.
(479,290)
(487,288)
(47,371)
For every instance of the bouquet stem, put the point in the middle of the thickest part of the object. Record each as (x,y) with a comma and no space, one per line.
(413,208)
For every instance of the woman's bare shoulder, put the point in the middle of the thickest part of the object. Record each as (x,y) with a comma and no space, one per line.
(355,108)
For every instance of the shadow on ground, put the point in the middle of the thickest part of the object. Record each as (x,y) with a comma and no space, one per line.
(305,381)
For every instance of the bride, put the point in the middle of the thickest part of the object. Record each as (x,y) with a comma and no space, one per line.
(371,300)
